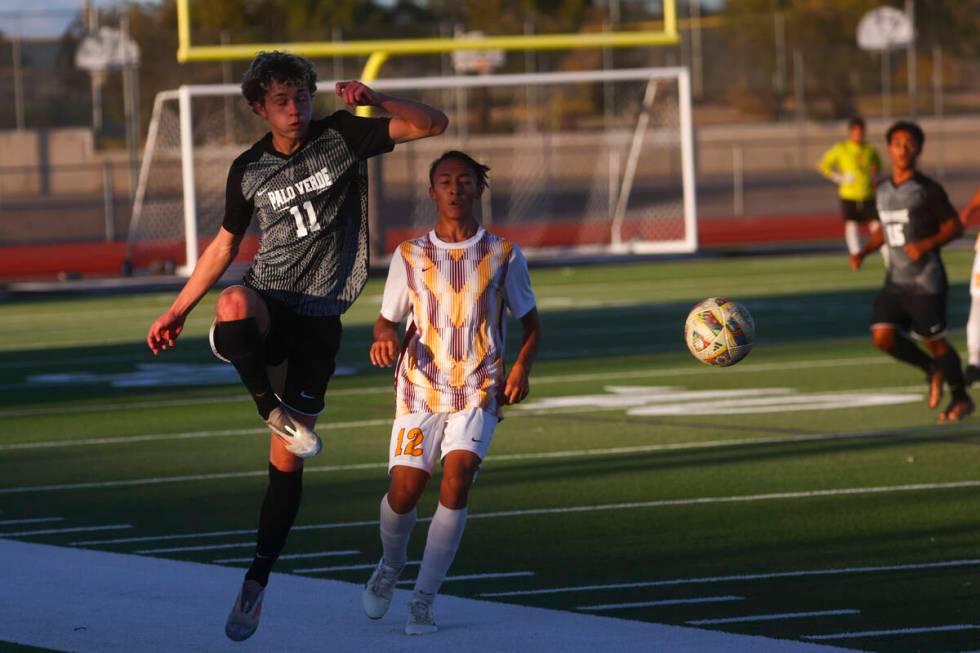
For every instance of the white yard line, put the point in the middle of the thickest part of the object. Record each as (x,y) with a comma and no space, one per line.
(204,547)
(58,531)
(129,439)
(743,577)
(896,631)
(707,444)
(108,408)
(36,520)
(190,435)
(773,617)
(180,479)
(653,604)
(321,570)
(165,403)
(95,601)
(492,574)
(662,503)
(293,556)
(694,371)
(239,531)
(565,410)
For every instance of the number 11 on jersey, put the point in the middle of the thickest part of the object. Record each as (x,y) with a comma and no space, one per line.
(301,226)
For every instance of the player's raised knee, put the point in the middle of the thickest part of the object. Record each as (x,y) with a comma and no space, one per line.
(234,303)
(883,338)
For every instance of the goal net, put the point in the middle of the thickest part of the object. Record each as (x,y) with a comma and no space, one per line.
(592,162)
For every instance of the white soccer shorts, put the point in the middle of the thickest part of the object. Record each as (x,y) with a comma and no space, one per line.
(975,277)
(419,440)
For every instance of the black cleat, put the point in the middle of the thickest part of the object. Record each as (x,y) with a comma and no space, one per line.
(957,410)
(971,374)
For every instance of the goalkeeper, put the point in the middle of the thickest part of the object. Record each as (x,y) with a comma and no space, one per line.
(852,165)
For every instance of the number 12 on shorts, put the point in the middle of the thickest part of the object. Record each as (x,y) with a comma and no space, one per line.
(414,445)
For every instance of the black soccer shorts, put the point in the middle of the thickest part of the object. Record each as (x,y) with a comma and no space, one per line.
(309,347)
(922,315)
(858,210)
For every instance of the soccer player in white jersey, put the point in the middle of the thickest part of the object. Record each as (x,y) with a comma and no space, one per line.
(971,213)
(305,184)
(453,284)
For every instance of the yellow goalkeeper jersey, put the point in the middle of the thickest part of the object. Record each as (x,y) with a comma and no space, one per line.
(851,166)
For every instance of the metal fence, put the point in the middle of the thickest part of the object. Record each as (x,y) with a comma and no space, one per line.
(64,203)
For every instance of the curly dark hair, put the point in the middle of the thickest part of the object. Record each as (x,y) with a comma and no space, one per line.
(907,126)
(479,170)
(276,66)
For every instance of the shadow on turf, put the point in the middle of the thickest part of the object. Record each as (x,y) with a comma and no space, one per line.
(589,333)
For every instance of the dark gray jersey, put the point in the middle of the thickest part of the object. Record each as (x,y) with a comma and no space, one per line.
(909,212)
(311,209)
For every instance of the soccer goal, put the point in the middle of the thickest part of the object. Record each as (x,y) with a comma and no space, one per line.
(582,163)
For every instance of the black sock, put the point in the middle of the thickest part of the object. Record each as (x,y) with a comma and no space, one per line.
(279,509)
(908,352)
(240,342)
(949,365)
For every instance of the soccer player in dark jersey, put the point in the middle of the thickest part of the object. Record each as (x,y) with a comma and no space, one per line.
(305,183)
(917,219)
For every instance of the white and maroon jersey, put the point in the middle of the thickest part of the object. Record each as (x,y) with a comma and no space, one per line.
(311,207)
(452,357)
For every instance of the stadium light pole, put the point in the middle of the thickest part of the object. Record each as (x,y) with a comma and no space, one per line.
(18,81)
(697,59)
(910,59)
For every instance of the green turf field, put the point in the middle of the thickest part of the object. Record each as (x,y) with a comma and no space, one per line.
(806,493)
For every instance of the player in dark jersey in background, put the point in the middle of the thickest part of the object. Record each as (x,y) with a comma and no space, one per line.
(305,183)
(917,219)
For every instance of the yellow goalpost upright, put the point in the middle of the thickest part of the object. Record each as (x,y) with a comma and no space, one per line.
(378,51)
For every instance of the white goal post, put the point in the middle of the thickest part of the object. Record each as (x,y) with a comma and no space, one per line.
(590,162)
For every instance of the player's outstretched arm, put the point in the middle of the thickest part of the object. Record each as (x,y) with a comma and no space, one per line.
(412,121)
(874,243)
(971,212)
(384,349)
(517,385)
(213,262)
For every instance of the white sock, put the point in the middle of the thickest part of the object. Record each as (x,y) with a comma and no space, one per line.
(973,333)
(851,237)
(445,532)
(395,531)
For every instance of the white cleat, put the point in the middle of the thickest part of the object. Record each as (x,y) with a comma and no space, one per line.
(420,620)
(377,593)
(300,440)
(244,617)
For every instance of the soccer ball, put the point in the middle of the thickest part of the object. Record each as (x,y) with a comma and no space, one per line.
(719,332)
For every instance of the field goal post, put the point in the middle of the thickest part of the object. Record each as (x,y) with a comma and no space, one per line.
(568,176)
